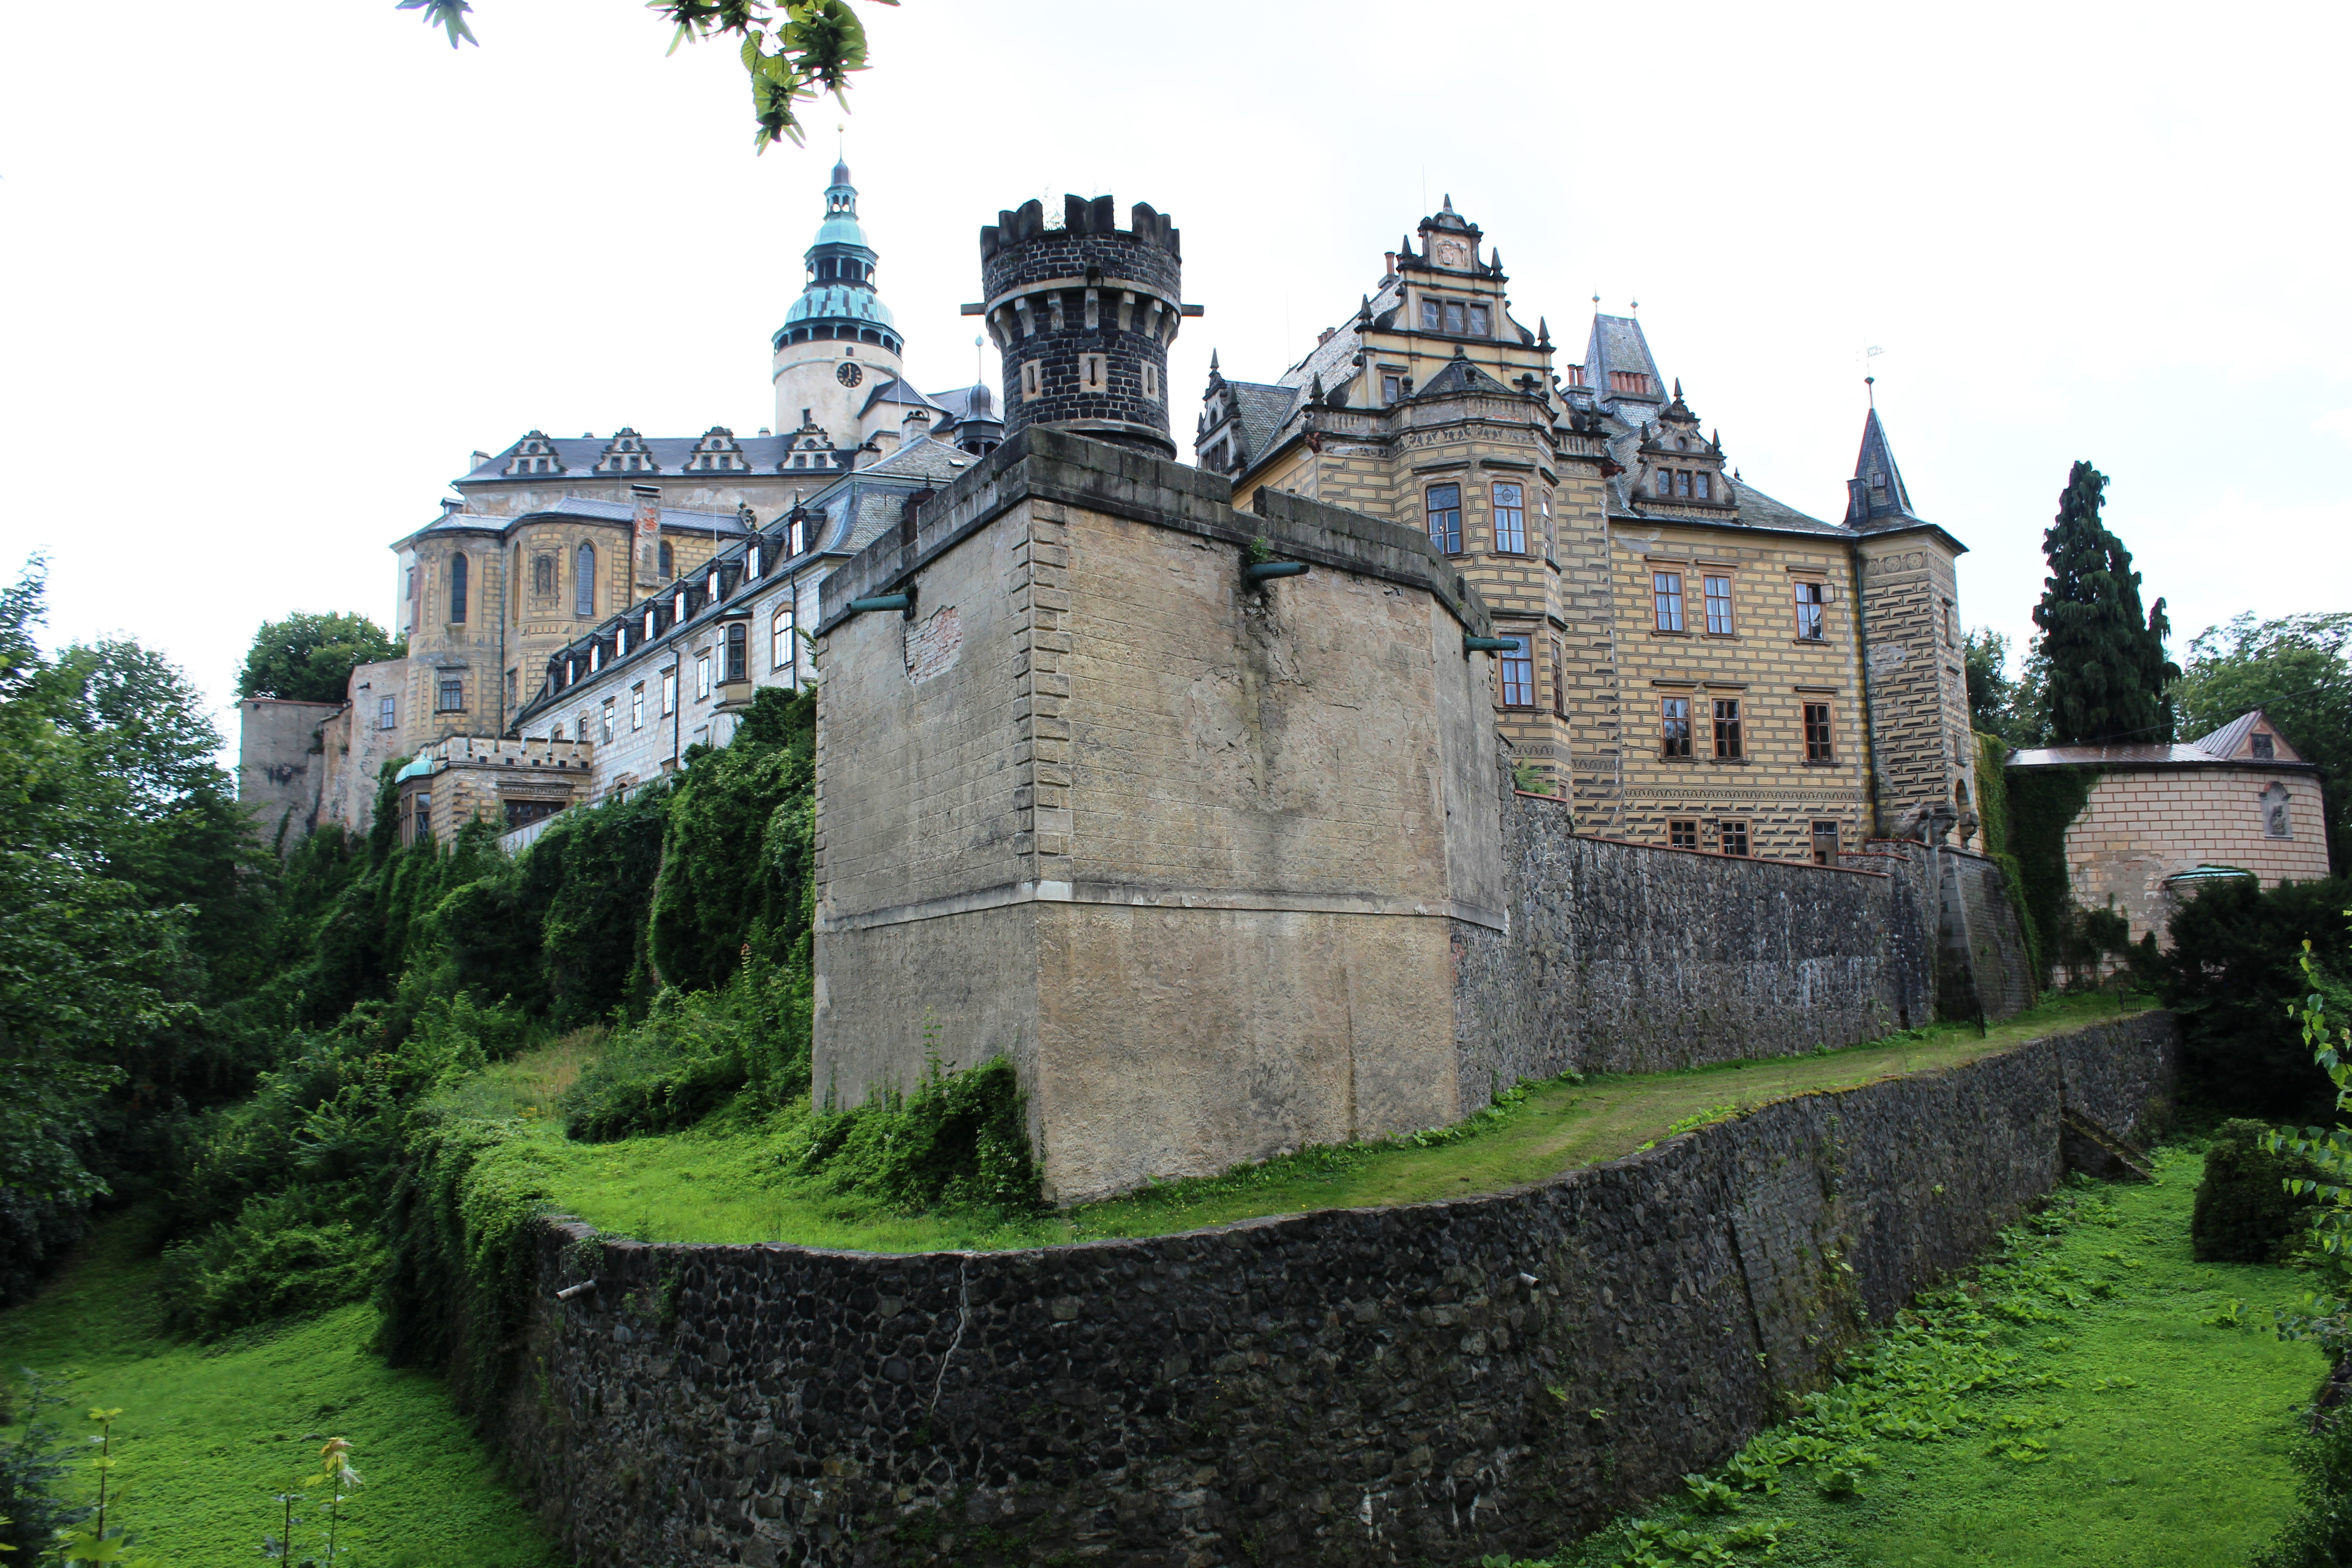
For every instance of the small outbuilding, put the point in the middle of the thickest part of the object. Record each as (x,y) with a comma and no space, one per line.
(2162,818)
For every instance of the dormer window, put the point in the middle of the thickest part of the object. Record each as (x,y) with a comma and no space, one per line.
(627,453)
(534,454)
(796,537)
(718,452)
(1392,388)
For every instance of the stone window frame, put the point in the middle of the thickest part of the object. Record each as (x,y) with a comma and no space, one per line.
(1094,374)
(1510,518)
(1682,833)
(1455,318)
(637,706)
(1708,577)
(388,713)
(1674,743)
(1032,383)
(1558,681)
(1150,381)
(1821,747)
(1391,386)
(735,639)
(605,718)
(449,693)
(702,675)
(460,588)
(2279,812)
(546,575)
(780,638)
(1730,831)
(669,692)
(583,586)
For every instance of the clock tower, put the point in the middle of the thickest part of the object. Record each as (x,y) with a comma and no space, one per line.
(838,344)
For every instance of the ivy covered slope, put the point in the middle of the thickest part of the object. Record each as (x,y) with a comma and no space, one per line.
(2093,1398)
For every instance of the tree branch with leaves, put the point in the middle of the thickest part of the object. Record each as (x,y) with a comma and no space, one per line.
(793,50)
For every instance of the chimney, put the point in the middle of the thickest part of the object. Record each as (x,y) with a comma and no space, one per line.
(915,425)
(479,458)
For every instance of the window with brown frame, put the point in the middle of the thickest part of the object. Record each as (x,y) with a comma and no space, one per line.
(1718,605)
(1673,727)
(1734,837)
(1726,728)
(1682,833)
(1818,742)
(1811,597)
(1666,596)
(1519,674)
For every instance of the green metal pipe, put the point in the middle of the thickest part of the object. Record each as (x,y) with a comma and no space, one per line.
(1267,569)
(1488,645)
(881,602)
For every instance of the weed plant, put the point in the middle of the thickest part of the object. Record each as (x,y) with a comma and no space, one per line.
(2086,1399)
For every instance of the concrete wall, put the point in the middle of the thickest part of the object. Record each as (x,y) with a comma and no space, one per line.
(2142,826)
(1339,1387)
(1232,824)
(282,764)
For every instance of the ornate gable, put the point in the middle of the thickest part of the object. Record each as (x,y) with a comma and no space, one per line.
(627,453)
(1678,466)
(534,453)
(811,446)
(718,452)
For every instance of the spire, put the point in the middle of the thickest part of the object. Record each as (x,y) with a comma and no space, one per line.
(840,288)
(1449,204)
(1874,496)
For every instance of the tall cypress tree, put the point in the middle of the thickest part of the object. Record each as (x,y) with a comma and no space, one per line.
(2108,676)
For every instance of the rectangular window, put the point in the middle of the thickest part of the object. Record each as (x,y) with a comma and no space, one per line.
(2264,749)
(1151,381)
(584,723)
(1673,727)
(387,716)
(1666,596)
(424,817)
(453,695)
(1091,375)
(1825,843)
(1510,519)
(795,537)
(1682,833)
(1734,837)
(1817,748)
(637,706)
(1029,388)
(1392,389)
(1699,486)
(1809,612)
(514,680)
(1445,518)
(1457,318)
(1518,670)
(1664,482)
(702,679)
(1558,681)
(1430,318)
(1478,322)
(1551,539)
(1682,481)
(669,692)
(780,640)
(738,652)
(1718,605)
(1726,728)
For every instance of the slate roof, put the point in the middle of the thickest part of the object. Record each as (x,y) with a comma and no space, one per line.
(1617,343)
(670,452)
(1873,508)
(1261,411)
(680,518)
(2219,749)
(896,389)
(1459,377)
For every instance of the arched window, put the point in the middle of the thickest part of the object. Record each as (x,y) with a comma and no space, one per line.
(457,587)
(584,581)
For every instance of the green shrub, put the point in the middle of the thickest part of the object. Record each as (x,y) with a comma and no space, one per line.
(2232,974)
(961,1138)
(2321,1535)
(2244,1213)
(291,1254)
(694,1050)
(34,1461)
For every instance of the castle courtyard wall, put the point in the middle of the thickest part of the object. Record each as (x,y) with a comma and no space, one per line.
(1411,1383)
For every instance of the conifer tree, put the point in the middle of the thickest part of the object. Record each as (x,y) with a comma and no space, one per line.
(2107,673)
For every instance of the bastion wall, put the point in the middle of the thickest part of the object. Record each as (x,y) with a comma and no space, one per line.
(1434,1382)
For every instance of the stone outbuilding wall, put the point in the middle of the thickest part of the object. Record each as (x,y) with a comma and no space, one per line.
(1430,1383)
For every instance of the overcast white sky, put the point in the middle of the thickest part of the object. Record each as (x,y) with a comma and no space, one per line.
(266,278)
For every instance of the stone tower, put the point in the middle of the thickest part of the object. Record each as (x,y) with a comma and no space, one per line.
(1084,314)
(838,340)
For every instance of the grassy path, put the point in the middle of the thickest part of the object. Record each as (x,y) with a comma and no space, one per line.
(722,1182)
(2135,1430)
(209,1433)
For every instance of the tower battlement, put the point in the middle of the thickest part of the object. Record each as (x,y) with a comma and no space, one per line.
(1083,315)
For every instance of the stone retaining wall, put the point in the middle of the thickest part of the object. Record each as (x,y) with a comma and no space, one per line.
(1424,1384)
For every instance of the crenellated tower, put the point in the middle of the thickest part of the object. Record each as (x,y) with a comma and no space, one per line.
(1084,314)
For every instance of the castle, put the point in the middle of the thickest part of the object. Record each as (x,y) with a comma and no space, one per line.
(1315,790)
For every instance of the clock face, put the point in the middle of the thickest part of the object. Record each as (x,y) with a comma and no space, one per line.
(849,374)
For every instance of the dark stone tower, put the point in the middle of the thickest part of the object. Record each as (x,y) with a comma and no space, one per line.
(1084,314)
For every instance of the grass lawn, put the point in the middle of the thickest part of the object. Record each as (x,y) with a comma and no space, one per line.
(2132,1430)
(721,1181)
(208,1434)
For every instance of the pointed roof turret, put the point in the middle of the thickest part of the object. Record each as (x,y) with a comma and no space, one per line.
(1875,497)
(1618,364)
(840,289)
